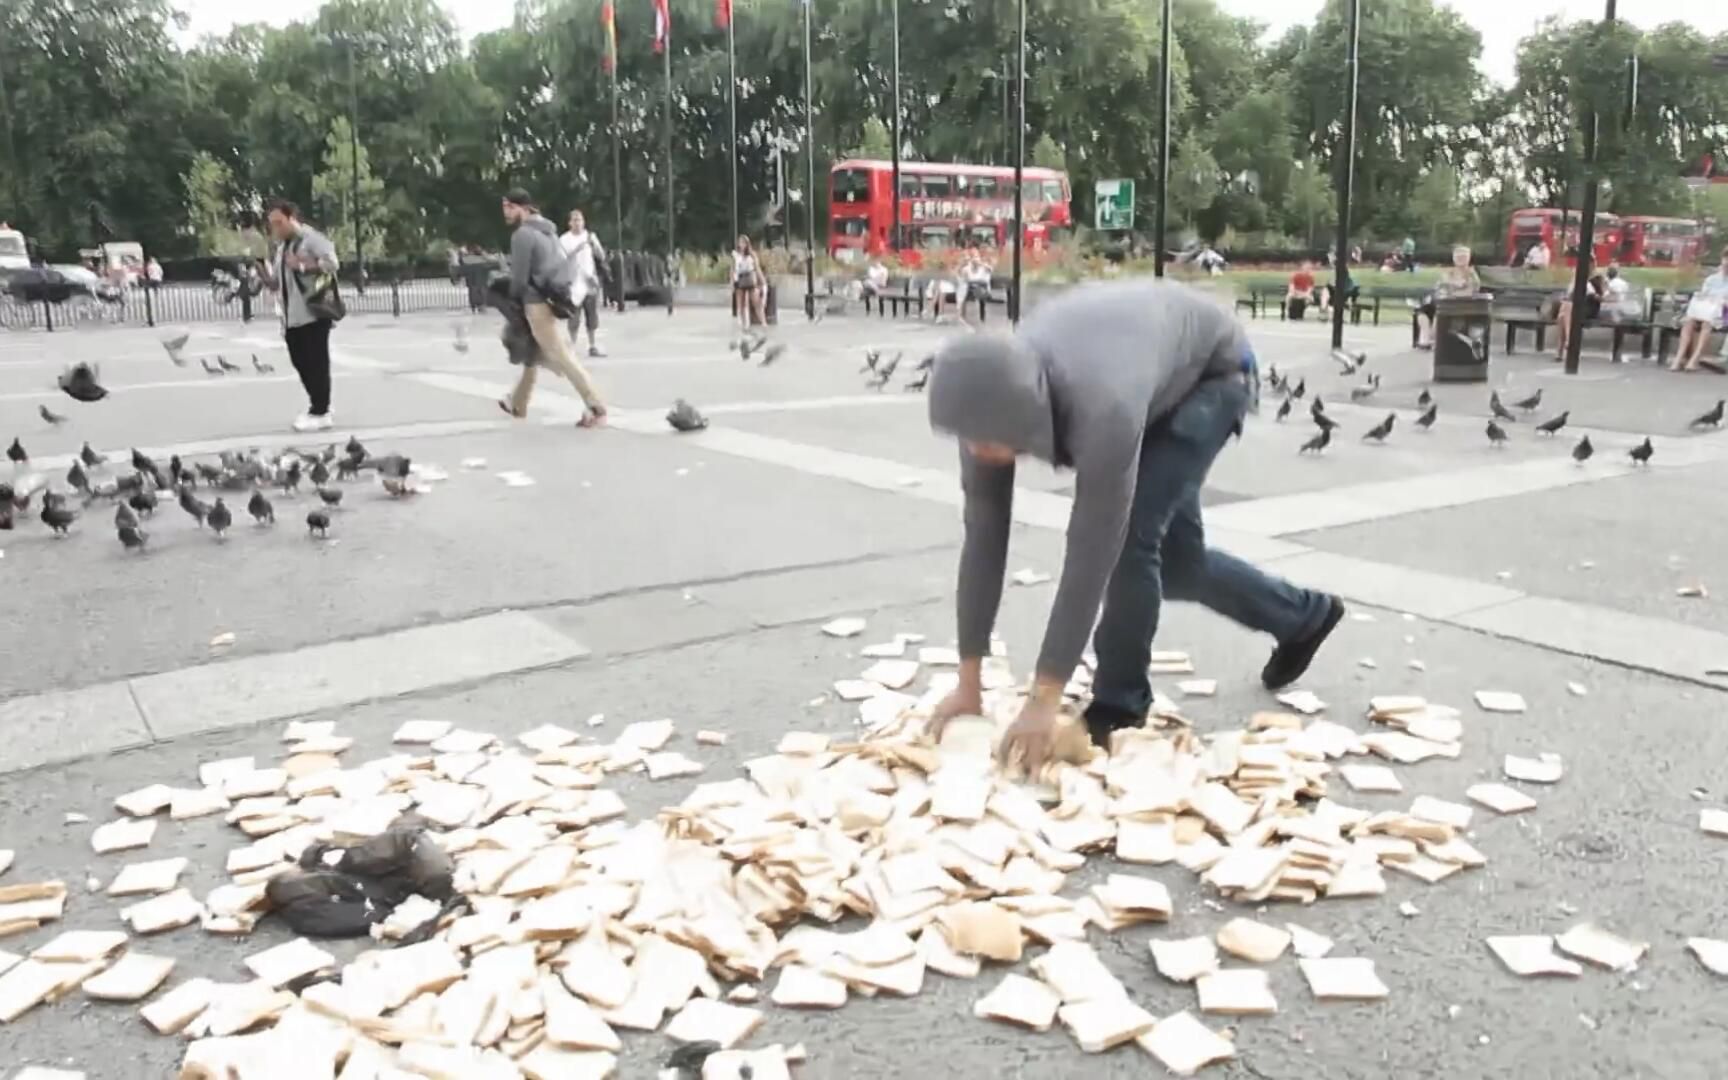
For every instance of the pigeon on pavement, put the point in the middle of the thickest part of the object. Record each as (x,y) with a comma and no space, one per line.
(1349,363)
(1496,435)
(124,516)
(57,517)
(1426,420)
(1379,431)
(1549,427)
(1366,390)
(132,538)
(17,454)
(331,496)
(193,505)
(79,383)
(1581,453)
(684,417)
(144,502)
(260,509)
(318,522)
(1301,389)
(871,356)
(49,416)
(1713,418)
(208,370)
(1642,453)
(222,362)
(173,347)
(219,518)
(1499,410)
(76,478)
(261,367)
(1529,404)
(917,385)
(1424,399)
(1317,443)
(89,457)
(1283,410)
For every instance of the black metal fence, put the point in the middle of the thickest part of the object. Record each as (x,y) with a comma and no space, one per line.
(174,304)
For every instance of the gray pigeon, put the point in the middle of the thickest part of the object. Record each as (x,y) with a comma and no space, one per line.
(132,538)
(684,417)
(260,509)
(219,518)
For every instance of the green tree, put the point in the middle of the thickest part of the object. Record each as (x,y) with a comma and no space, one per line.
(1194,179)
(1046,154)
(1436,209)
(334,190)
(878,144)
(1310,205)
(210,209)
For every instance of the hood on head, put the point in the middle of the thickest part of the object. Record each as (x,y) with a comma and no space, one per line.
(993,389)
(539,225)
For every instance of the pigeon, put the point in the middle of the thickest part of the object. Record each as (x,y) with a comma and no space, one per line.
(690,1057)
(1424,399)
(1349,363)
(684,417)
(192,505)
(1496,435)
(1325,422)
(219,518)
(393,466)
(1642,453)
(775,352)
(331,496)
(884,372)
(1366,390)
(348,468)
(177,471)
(260,509)
(871,357)
(1379,431)
(173,347)
(1549,427)
(89,457)
(1529,404)
(208,370)
(132,538)
(261,367)
(1711,419)
(318,522)
(397,486)
(222,362)
(49,416)
(319,472)
(1498,409)
(290,480)
(926,364)
(1581,453)
(1283,410)
(123,516)
(750,345)
(1301,389)
(1275,380)
(1317,443)
(1318,406)
(918,384)
(353,448)
(17,454)
(1426,420)
(144,502)
(79,383)
(57,517)
(210,474)
(76,479)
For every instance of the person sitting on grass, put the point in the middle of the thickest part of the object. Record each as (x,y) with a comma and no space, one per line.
(1459,279)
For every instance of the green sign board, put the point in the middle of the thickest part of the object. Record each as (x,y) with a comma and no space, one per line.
(1113,205)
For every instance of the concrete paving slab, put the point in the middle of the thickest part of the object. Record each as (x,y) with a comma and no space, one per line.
(255,689)
(65,724)
(1585,630)
(1432,596)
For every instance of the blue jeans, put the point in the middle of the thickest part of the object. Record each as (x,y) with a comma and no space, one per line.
(1165,553)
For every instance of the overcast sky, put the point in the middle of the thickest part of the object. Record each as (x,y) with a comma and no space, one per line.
(1502,22)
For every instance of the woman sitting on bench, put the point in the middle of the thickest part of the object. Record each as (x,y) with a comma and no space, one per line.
(1459,279)
(1300,294)
(1705,311)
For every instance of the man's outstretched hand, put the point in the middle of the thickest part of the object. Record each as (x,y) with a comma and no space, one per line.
(1032,735)
(963,700)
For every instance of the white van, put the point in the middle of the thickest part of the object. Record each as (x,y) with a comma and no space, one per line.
(14,253)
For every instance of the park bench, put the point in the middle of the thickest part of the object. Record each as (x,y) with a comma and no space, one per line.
(1538,326)
(900,297)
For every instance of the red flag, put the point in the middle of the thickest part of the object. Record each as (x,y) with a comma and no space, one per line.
(722,13)
(609,22)
(662,24)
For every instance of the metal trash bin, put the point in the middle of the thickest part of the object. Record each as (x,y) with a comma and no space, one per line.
(1463,338)
(771,305)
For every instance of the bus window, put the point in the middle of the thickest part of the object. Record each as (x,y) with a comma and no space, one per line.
(852,186)
(936,237)
(909,188)
(938,187)
(851,226)
(1053,191)
(982,236)
(983,187)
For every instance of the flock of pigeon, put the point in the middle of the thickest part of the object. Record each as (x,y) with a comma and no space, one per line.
(1351,363)
(881,373)
(137,492)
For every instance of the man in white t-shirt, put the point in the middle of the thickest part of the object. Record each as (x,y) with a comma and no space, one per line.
(586,256)
(1537,257)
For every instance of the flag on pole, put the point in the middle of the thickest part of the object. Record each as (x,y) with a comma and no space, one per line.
(662,24)
(722,13)
(609,23)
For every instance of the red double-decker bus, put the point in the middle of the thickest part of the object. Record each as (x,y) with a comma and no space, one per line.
(1559,231)
(1661,241)
(942,207)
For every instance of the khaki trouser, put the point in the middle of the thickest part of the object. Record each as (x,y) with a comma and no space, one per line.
(555,354)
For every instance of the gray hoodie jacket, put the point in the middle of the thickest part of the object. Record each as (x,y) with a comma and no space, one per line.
(536,260)
(1077,386)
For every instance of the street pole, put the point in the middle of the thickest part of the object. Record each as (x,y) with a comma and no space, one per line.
(894,228)
(809,181)
(617,175)
(1019,158)
(1007,140)
(1586,229)
(354,149)
(671,231)
(1346,179)
(732,95)
(1161,208)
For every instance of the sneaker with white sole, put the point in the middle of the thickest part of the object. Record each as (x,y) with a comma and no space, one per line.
(306,422)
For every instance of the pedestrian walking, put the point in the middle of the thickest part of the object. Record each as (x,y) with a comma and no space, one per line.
(1136,386)
(301,272)
(747,286)
(540,281)
(583,251)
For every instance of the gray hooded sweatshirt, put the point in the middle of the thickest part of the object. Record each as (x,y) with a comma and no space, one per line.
(1077,386)
(536,260)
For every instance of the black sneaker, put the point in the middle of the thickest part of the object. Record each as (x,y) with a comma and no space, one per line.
(1291,658)
(1102,721)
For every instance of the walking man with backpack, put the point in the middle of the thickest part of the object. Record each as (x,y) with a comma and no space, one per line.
(302,271)
(586,257)
(540,280)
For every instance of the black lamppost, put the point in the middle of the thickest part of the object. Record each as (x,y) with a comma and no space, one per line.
(809,181)
(1346,178)
(1019,155)
(894,227)
(1586,229)
(1161,208)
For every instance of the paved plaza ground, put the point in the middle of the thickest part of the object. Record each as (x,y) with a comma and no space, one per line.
(646,575)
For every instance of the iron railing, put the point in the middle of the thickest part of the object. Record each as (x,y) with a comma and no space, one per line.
(176,303)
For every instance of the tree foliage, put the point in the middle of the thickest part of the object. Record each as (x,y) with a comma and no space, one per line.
(110,131)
